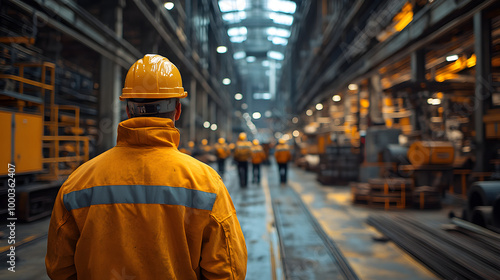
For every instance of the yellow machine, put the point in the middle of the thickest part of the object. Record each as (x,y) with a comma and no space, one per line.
(32,140)
(431,153)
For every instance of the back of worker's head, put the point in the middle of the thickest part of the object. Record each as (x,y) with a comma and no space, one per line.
(153,86)
(222,140)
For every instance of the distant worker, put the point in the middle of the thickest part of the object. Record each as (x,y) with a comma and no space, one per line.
(258,156)
(242,154)
(143,209)
(222,152)
(283,156)
(205,152)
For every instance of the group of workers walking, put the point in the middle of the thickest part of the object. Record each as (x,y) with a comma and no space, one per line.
(146,210)
(244,152)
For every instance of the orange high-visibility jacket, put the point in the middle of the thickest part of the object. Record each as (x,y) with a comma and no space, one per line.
(144,210)
(222,150)
(282,153)
(258,154)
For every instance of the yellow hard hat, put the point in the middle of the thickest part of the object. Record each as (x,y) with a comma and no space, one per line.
(191,144)
(204,141)
(242,136)
(255,142)
(222,140)
(281,141)
(153,77)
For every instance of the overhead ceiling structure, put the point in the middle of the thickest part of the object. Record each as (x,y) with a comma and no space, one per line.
(259,32)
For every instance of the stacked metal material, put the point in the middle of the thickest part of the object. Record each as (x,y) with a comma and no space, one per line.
(460,254)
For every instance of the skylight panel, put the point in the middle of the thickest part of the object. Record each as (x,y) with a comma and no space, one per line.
(232,5)
(273,31)
(237,39)
(239,55)
(237,31)
(278,40)
(282,6)
(234,17)
(275,55)
(281,18)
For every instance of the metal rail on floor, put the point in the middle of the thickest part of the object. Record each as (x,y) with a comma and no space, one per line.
(333,251)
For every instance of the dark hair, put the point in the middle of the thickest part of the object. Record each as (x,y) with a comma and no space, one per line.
(168,115)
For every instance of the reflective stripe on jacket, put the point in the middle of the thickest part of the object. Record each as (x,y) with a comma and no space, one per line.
(144,210)
(282,153)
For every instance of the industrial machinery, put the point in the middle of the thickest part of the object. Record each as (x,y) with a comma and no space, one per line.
(431,153)
(42,142)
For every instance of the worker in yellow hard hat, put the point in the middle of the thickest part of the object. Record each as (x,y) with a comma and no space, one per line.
(258,156)
(205,152)
(243,154)
(144,209)
(282,155)
(222,152)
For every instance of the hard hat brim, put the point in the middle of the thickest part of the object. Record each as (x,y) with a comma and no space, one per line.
(153,95)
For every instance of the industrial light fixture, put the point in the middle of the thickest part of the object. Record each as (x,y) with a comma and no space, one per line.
(352,87)
(295,120)
(296,133)
(309,112)
(256,115)
(238,96)
(251,59)
(275,55)
(452,57)
(336,98)
(206,124)
(244,106)
(239,55)
(226,81)
(268,114)
(319,106)
(168,5)
(213,127)
(221,49)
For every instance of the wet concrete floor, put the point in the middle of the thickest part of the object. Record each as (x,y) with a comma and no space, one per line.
(343,222)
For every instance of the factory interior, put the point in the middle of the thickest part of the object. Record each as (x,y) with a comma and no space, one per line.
(391,110)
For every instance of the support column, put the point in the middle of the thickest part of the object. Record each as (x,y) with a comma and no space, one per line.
(417,76)
(109,104)
(192,110)
(482,45)
(376,96)
(110,84)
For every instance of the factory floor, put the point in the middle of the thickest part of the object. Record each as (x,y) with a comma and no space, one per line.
(304,257)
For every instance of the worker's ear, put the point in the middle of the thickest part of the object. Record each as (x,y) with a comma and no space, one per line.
(128,113)
(177,111)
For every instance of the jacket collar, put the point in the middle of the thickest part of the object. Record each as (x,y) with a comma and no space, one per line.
(148,131)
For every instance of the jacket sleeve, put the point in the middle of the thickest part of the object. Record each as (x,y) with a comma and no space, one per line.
(62,238)
(224,253)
